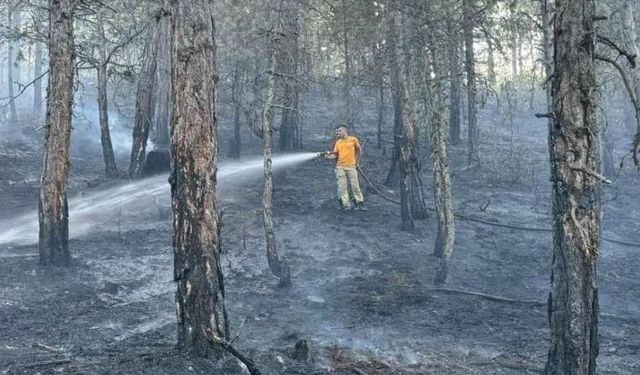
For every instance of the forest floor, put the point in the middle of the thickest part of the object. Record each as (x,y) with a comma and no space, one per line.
(362,296)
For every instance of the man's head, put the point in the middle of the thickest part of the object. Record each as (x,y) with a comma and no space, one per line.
(342,131)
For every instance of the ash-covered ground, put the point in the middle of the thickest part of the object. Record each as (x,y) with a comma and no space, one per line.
(362,296)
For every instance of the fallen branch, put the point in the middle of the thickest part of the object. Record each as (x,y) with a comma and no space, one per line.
(47,364)
(488,297)
(491,223)
(251,366)
(358,371)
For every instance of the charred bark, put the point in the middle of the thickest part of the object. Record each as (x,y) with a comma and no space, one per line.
(144,104)
(37,70)
(197,271)
(235,144)
(454,77)
(442,189)
(158,159)
(576,200)
(393,177)
(52,208)
(105,137)
(289,55)
(163,87)
(381,110)
(278,267)
(10,65)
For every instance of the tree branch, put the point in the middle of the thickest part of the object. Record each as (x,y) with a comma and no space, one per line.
(611,44)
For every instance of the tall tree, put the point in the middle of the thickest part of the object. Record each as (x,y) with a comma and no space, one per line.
(52,208)
(455,73)
(289,55)
(470,65)
(576,201)
(393,177)
(197,271)
(442,189)
(278,267)
(144,102)
(163,104)
(103,107)
(11,8)
(37,69)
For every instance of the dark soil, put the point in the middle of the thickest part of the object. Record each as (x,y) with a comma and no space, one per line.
(362,296)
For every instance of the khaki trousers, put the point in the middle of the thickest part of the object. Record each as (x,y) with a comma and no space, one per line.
(342,175)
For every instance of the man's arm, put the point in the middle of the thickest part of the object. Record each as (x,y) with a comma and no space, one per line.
(358,153)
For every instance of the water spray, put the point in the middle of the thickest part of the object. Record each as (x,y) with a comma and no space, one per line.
(87,212)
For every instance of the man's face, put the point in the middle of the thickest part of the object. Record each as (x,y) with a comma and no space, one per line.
(340,133)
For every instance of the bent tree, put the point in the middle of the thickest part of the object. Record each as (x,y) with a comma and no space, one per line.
(53,214)
(200,290)
(576,204)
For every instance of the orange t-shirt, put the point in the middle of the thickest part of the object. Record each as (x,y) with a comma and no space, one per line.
(346,150)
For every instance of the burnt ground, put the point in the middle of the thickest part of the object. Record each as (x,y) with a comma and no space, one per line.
(362,294)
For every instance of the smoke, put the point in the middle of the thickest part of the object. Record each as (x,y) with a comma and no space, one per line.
(85,137)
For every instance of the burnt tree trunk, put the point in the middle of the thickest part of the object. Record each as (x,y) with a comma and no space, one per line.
(144,103)
(576,201)
(37,69)
(105,137)
(455,73)
(163,87)
(393,177)
(52,208)
(235,146)
(196,243)
(491,64)
(278,268)
(470,65)
(409,136)
(288,66)
(442,189)
(381,110)
(348,102)
(10,65)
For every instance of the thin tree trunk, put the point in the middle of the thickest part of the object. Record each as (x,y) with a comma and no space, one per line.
(442,190)
(347,69)
(576,200)
(105,137)
(288,65)
(196,222)
(37,70)
(491,65)
(144,104)
(408,147)
(381,110)
(278,267)
(235,146)
(163,103)
(393,177)
(52,209)
(473,134)
(454,78)
(10,67)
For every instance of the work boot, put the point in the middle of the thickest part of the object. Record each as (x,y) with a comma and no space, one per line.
(359,206)
(347,208)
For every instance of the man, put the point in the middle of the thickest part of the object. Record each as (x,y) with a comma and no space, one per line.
(347,151)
